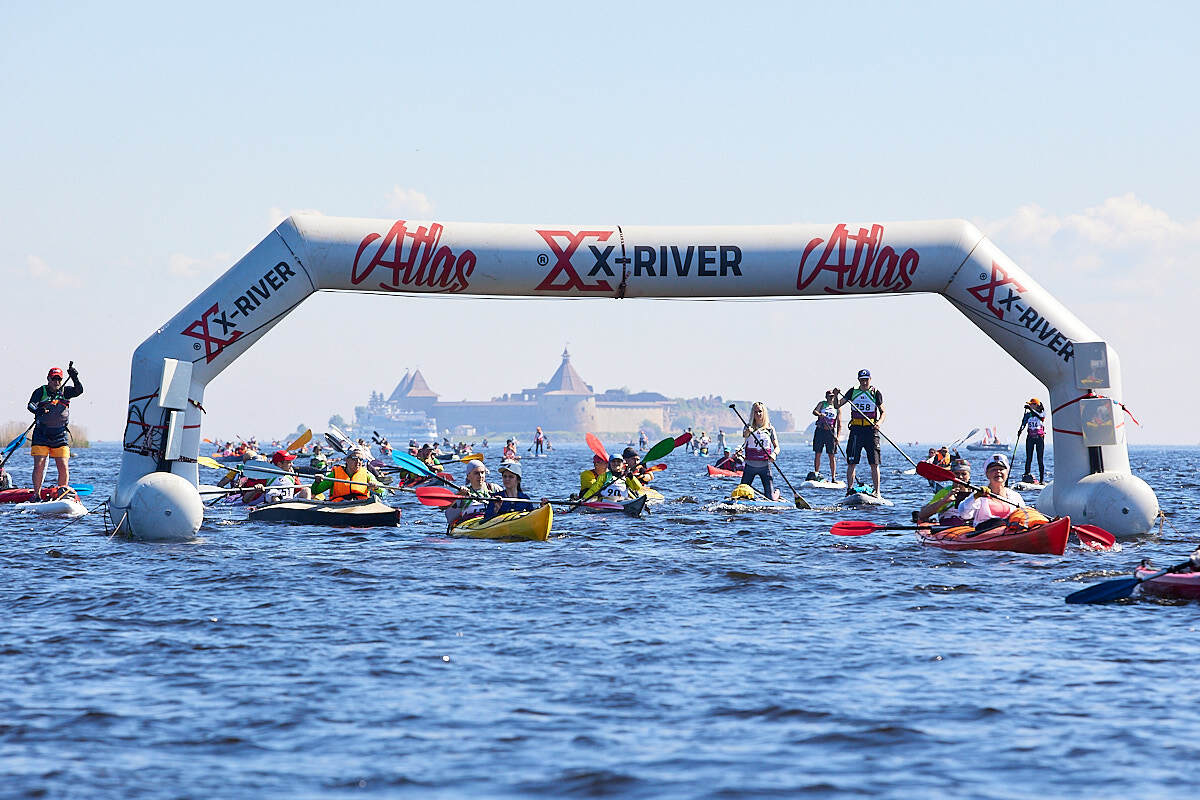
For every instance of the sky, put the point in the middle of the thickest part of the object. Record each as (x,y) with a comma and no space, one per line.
(145,148)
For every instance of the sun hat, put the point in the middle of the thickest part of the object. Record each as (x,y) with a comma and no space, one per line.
(513,467)
(997,460)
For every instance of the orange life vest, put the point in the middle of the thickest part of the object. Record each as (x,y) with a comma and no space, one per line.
(350,491)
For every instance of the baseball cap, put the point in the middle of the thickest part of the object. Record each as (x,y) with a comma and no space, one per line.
(629,451)
(55,372)
(511,466)
(1033,401)
(477,466)
(282,455)
(998,459)
(864,373)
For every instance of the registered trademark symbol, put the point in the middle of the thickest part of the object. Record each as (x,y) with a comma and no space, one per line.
(196,346)
(983,276)
(543,260)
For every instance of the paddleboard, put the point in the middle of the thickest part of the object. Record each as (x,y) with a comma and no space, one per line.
(750,505)
(823,485)
(1023,486)
(66,507)
(865,499)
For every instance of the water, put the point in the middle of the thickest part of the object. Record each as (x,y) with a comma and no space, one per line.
(684,655)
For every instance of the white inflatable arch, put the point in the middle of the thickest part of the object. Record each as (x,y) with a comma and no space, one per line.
(156,498)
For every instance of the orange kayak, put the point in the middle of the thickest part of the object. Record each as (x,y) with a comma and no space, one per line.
(1013,536)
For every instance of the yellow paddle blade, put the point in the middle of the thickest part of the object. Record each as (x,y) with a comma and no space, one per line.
(471,457)
(301,440)
(205,461)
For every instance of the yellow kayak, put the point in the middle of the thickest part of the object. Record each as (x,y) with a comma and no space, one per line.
(533,525)
(653,495)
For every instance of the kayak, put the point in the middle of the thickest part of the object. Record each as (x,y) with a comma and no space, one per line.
(1177,585)
(1044,538)
(23,495)
(652,495)
(532,525)
(367,513)
(742,504)
(823,485)
(865,499)
(714,472)
(1026,486)
(632,507)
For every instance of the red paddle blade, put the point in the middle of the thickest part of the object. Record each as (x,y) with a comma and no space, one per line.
(596,447)
(437,496)
(656,468)
(849,527)
(933,472)
(1094,536)
(683,439)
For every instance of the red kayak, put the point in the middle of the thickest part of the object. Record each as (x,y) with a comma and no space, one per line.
(714,472)
(1014,536)
(21,495)
(1178,585)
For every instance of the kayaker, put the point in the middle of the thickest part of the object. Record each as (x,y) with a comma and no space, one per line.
(350,481)
(510,473)
(6,481)
(538,441)
(1034,424)
(941,457)
(866,415)
(429,458)
(509,453)
(826,434)
(995,501)
(317,460)
(285,487)
(761,447)
(634,468)
(730,461)
(588,477)
(945,502)
(50,405)
(475,490)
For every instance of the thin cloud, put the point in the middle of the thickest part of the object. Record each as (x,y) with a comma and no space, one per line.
(409,203)
(1123,245)
(39,270)
(181,265)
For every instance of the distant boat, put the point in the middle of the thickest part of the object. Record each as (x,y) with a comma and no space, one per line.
(990,442)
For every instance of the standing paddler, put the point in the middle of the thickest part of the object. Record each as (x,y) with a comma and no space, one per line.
(50,405)
(866,415)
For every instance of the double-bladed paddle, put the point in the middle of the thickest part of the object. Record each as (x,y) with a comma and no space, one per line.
(1091,535)
(12,446)
(850,527)
(800,501)
(1120,588)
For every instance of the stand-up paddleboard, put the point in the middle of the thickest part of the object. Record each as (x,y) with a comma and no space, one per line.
(63,507)
(866,498)
(823,485)
(1026,486)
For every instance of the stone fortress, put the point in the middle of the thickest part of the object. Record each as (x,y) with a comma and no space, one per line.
(565,403)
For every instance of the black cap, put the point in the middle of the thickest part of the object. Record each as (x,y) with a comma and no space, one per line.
(629,451)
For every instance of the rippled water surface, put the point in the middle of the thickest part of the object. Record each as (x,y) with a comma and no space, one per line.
(687,654)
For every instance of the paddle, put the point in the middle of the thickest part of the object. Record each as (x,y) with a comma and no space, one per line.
(251,468)
(441,497)
(962,439)
(12,446)
(850,527)
(301,440)
(682,439)
(1012,459)
(1091,535)
(800,501)
(594,444)
(1120,588)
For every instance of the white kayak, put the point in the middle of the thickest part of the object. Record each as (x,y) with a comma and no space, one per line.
(823,485)
(865,499)
(1026,486)
(66,507)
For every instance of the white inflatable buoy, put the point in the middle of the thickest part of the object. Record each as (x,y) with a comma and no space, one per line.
(1122,504)
(162,508)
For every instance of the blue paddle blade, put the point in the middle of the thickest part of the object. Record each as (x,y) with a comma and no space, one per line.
(82,488)
(410,463)
(1104,592)
(13,445)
